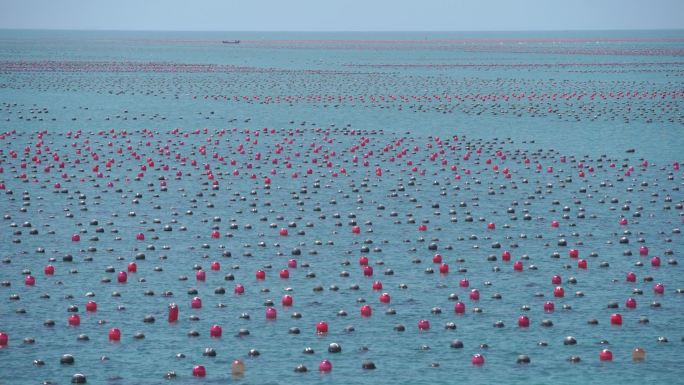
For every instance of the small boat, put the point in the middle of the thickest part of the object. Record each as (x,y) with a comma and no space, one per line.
(230,41)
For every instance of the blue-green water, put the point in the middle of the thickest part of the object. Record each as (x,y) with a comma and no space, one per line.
(585,96)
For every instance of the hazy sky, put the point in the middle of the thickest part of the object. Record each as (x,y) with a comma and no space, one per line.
(342,15)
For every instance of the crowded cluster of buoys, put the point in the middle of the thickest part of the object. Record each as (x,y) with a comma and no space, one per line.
(584,99)
(139,244)
(419,175)
(622,46)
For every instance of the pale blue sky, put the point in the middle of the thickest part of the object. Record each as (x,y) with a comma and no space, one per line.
(342,15)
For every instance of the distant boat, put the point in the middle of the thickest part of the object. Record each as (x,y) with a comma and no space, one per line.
(230,41)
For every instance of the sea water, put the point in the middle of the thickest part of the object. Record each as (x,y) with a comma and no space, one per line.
(580,94)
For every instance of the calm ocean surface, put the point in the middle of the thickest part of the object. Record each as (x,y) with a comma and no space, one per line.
(112,134)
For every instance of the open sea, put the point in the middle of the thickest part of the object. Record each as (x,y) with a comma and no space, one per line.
(450,170)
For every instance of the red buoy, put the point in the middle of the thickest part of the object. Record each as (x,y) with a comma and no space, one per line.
(631,277)
(325,366)
(478,359)
(368,271)
(616,319)
(260,275)
(573,253)
(659,288)
(321,327)
(286,300)
(377,285)
(74,320)
(606,355)
(29,280)
(582,264)
(239,289)
(215,331)
(122,277)
(523,321)
(474,294)
(464,282)
(4,339)
(196,303)
(366,311)
(444,268)
(549,306)
(556,280)
(385,298)
(114,334)
(437,258)
(363,260)
(459,308)
(49,270)
(631,303)
(173,312)
(271,313)
(518,266)
(423,324)
(199,371)
(215,266)
(284,274)
(559,292)
(292,263)
(506,256)
(132,267)
(91,306)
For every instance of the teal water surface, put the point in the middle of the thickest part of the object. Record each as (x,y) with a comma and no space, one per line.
(186,101)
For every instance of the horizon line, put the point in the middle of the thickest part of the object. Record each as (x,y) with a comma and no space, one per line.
(342,30)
